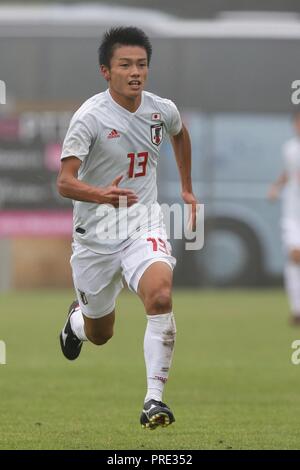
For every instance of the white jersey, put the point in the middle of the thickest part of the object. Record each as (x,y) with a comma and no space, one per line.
(111,141)
(291,193)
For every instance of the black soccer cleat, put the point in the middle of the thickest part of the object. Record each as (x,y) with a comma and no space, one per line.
(156,413)
(70,344)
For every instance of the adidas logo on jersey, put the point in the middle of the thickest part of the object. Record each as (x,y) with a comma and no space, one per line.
(113,134)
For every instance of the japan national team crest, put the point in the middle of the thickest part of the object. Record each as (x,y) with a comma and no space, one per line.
(157,133)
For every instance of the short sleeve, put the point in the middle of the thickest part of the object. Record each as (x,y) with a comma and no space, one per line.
(174,119)
(79,138)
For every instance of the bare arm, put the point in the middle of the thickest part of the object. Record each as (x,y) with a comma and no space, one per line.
(277,186)
(182,149)
(69,186)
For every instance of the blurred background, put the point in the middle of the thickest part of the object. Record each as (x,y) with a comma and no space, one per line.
(228,65)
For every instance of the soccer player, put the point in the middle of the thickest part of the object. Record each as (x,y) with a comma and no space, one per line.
(290,220)
(110,154)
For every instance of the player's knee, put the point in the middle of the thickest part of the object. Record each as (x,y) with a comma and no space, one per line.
(159,302)
(100,338)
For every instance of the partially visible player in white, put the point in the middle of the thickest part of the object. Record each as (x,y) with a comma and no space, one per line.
(289,180)
(111,149)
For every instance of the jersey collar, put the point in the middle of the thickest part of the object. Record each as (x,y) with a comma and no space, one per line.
(120,108)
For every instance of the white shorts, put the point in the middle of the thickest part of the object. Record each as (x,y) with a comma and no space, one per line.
(290,232)
(98,277)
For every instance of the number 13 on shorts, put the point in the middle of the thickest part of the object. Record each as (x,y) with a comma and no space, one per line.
(159,245)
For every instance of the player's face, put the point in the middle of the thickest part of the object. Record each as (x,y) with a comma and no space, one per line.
(128,71)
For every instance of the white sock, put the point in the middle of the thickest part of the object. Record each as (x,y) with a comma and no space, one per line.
(77,324)
(158,351)
(292,284)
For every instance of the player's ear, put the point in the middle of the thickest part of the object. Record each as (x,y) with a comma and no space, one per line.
(105,72)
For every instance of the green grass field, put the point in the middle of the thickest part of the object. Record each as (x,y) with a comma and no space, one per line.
(232,384)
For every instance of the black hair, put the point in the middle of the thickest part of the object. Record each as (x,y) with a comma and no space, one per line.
(125,36)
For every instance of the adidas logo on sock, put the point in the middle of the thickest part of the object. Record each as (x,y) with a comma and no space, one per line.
(113,134)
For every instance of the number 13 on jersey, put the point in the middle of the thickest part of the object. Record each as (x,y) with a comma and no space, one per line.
(137,160)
